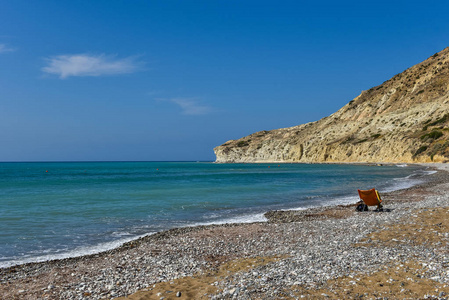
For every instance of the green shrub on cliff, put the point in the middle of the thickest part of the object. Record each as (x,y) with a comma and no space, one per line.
(441,120)
(242,143)
(433,135)
(420,150)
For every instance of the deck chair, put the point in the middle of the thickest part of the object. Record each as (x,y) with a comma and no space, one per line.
(370,198)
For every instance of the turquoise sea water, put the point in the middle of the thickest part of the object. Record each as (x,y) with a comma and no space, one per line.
(57,210)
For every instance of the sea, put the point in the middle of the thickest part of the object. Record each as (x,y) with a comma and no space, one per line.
(55,210)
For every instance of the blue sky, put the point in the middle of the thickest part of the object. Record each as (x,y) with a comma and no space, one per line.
(170,80)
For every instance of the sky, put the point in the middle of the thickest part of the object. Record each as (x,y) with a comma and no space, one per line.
(170,80)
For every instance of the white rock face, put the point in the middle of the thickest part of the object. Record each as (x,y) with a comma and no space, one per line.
(405,119)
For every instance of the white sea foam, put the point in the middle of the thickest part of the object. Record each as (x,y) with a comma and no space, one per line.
(430,172)
(402,165)
(250,218)
(80,251)
(121,234)
(401,183)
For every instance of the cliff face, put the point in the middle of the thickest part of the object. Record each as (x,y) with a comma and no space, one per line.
(405,119)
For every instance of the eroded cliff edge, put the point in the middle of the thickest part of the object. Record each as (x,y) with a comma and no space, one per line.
(405,119)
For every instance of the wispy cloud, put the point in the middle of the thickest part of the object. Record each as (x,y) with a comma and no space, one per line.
(90,65)
(190,106)
(4,48)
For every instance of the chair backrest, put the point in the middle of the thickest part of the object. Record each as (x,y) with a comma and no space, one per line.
(370,197)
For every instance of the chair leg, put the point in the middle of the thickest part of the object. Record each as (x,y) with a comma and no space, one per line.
(379,207)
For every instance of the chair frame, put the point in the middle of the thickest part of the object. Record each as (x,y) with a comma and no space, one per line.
(369,200)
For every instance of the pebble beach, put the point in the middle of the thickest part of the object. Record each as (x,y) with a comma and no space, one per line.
(320,253)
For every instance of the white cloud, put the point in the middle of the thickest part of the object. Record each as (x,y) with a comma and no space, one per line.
(90,65)
(4,48)
(191,106)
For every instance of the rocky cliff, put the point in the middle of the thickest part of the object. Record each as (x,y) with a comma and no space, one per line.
(405,119)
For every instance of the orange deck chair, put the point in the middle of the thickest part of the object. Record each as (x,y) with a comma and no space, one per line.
(371,198)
